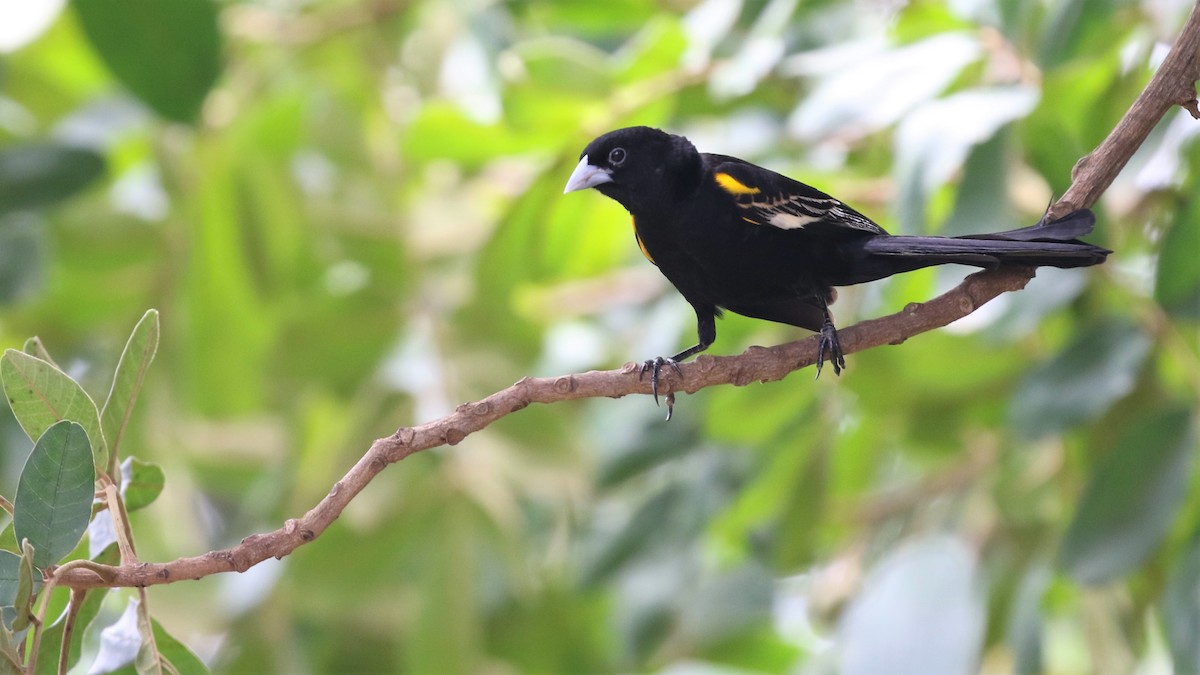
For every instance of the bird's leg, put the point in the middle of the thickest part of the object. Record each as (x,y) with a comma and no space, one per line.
(706,329)
(829,342)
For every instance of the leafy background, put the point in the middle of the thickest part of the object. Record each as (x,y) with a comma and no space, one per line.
(349,215)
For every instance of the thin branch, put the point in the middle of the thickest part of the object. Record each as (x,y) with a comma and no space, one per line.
(1173,84)
(64,649)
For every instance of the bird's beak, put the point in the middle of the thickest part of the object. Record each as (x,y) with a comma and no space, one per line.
(587,176)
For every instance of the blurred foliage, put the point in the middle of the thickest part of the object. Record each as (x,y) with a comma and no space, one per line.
(349,215)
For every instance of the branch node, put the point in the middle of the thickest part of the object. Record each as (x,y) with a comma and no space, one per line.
(226,557)
(741,378)
(293,525)
(1061,208)
(454,436)
(565,384)
(1081,165)
(1193,107)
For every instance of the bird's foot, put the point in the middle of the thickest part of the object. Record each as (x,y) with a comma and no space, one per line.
(654,366)
(829,345)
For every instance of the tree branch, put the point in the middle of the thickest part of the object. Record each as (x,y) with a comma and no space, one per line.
(1173,84)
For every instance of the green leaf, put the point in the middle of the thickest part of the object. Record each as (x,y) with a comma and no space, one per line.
(17,587)
(982,203)
(36,175)
(127,381)
(34,347)
(23,601)
(1075,25)
(10,564)
(144,483)
(634,460)
(644,528)
(1082,381)
(727,605)
(22,259)
(167,52)
(1131,498)
(10,585)
(442,131)
(928,155)
(164,654)
(1181,612)
(40,395)
(1177,280)
(174,653)
(54,494)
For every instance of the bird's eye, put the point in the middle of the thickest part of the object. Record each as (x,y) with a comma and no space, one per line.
(616,157)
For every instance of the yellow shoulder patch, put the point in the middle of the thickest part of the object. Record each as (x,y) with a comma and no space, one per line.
(639,241)
(734,186)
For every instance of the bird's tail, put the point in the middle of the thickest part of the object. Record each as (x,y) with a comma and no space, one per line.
(1049,243)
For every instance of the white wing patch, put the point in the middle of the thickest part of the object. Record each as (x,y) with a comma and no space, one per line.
(791,213)
(790,221)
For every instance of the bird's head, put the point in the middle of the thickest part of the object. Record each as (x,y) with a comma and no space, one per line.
(637,166)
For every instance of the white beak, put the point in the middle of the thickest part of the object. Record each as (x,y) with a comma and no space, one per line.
(587,176)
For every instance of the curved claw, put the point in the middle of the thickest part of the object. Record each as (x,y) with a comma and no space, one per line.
(829,345)
(654,366)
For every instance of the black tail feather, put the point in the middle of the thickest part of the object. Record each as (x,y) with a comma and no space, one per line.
(1047,244)
(1068,228)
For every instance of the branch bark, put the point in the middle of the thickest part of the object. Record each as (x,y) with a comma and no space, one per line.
(1173,84)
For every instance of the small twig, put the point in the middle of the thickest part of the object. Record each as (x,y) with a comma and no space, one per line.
(39,624)
(78,595)
(116,510)
(104,572)
(1173,84)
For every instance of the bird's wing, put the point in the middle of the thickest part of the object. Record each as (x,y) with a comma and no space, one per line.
(771,199)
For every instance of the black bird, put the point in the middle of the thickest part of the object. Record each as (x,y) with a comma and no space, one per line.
(732,235)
